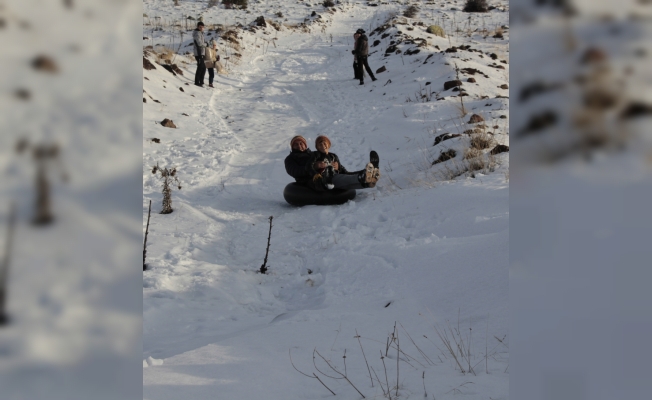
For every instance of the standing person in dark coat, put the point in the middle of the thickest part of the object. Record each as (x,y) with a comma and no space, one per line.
(356,72)
(199,46)
(361,53)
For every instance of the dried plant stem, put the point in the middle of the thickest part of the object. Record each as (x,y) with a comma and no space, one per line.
(386,379)
(365,357)
(398,346)
(415,345)
(313,374)
(339,373)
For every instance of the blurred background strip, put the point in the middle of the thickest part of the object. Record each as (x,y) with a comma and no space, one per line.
(581,189)
(70,199)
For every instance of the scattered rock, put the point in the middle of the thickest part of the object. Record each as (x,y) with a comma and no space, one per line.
(504,86)
(169,68)
(636,109)
(145,38)
(146,78)
(155,140)
(452,84)
(475,118)
(445,156)
(539,122)
(451,50)
(473,71)
(472,80)
(501,148)
(144,100)
(45,64)
(445,136)
(260,21)
(503,117)
(314,13)
(381,69)
(168,123)
(493,56)
(181,89)
(498,35)
(412,51)
(22,94)
(376,43)
(593,55)
(177,69)
(427,83)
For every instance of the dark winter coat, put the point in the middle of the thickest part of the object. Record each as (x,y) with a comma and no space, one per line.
(298,164)
(329,158)
(362,46)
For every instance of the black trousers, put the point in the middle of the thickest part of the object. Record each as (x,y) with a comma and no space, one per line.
(201,70)
(355,70)
(211,75)
(362,63)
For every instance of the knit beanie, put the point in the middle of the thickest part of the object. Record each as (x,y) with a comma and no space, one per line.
(299,138)
(323,138)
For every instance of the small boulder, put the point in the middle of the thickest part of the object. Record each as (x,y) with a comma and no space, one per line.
(452,84)
(144,100)
(475,118)
(148,64)
(260,21)
(504,86)
(381,69)
(445,156)
(376,43)
(181,89)
(472,80)
(445,136)
(168,123)
(501,148)
(451,50)
(45,64)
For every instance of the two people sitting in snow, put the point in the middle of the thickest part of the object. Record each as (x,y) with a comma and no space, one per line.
(321,170)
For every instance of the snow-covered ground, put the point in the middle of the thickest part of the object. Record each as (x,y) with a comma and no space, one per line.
(423,249)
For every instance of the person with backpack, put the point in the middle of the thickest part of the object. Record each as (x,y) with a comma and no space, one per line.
(361,53)
(199,47)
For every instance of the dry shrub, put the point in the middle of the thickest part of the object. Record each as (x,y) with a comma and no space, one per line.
(481,141)
(471,153)
(411,11)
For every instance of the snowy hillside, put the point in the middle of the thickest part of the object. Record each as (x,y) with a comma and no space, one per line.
(427,248)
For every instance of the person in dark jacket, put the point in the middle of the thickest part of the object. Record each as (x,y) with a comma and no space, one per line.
(355,60)
(361,53)
(319,169)
(297,162)
(327,168)
(199,47)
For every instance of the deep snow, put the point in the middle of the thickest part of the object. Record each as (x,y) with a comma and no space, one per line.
(434,249)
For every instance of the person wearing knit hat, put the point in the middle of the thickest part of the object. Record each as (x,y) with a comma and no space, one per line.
(361,53)
(326,166)
(296,163)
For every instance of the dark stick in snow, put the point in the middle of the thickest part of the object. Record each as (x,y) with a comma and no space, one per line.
(264,268)
(146,232)
(4,267)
